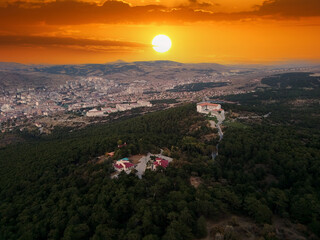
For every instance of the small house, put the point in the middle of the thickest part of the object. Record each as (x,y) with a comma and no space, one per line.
(160,162)
(123,165)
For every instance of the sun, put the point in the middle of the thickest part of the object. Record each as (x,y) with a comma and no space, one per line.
(161,43)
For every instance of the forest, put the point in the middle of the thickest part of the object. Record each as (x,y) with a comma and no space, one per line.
(52,188)
(196,87)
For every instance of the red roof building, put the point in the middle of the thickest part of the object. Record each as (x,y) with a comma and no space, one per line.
(122,165)
(160,162)
(208,104)
(207,107)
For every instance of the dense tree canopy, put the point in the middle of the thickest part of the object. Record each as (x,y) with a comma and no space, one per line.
(52,188)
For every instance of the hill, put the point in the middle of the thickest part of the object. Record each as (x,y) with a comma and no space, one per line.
(23,80)
(53,75)
(263,184)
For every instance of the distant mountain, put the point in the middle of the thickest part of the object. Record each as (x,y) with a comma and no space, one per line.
(123,67)
(159,63)
(20,75)
(119,61)
(12,66)
(17,75)
(88,69)
(24,80)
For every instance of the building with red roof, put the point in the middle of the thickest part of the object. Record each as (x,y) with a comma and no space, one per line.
(122,165)
(160,162)
(207,107)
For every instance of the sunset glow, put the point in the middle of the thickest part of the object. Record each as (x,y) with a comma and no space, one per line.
(231,31)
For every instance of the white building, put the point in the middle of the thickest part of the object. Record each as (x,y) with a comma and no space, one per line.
(144,103)
(123,107)
(95,113)
(109,109)
(6,108)
(207,107)
(212,109)
(135,90)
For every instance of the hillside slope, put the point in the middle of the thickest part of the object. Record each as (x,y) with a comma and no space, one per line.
(266,176)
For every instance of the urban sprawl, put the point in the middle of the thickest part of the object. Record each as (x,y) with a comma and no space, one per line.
(91,97)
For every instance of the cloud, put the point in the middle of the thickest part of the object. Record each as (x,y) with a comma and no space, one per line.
(111,12)
(71,12)
(201,5)
(290,8)
(69,42)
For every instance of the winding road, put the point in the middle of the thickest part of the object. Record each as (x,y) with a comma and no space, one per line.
(217,125)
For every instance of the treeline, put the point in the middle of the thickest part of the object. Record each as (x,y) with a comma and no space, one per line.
(50,188)
(292,80)
(196,87)
(283,104)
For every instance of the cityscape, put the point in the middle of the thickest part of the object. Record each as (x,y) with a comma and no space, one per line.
(100,96)
(159,120)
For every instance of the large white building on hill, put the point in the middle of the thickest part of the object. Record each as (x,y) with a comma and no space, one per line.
(211,109)
(207,107)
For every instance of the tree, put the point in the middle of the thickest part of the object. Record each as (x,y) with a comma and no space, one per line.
(260,212)
(201,230)
(178,231)
(80,231)
(103,231)
(278,201)
(151,237)
(305,208)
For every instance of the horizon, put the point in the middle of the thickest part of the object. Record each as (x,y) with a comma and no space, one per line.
(283,63)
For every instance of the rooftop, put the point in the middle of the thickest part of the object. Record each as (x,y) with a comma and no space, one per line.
(161,162)
(127,165)
(208,104)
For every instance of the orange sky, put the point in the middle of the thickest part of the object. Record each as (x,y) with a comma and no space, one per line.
(222,31)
